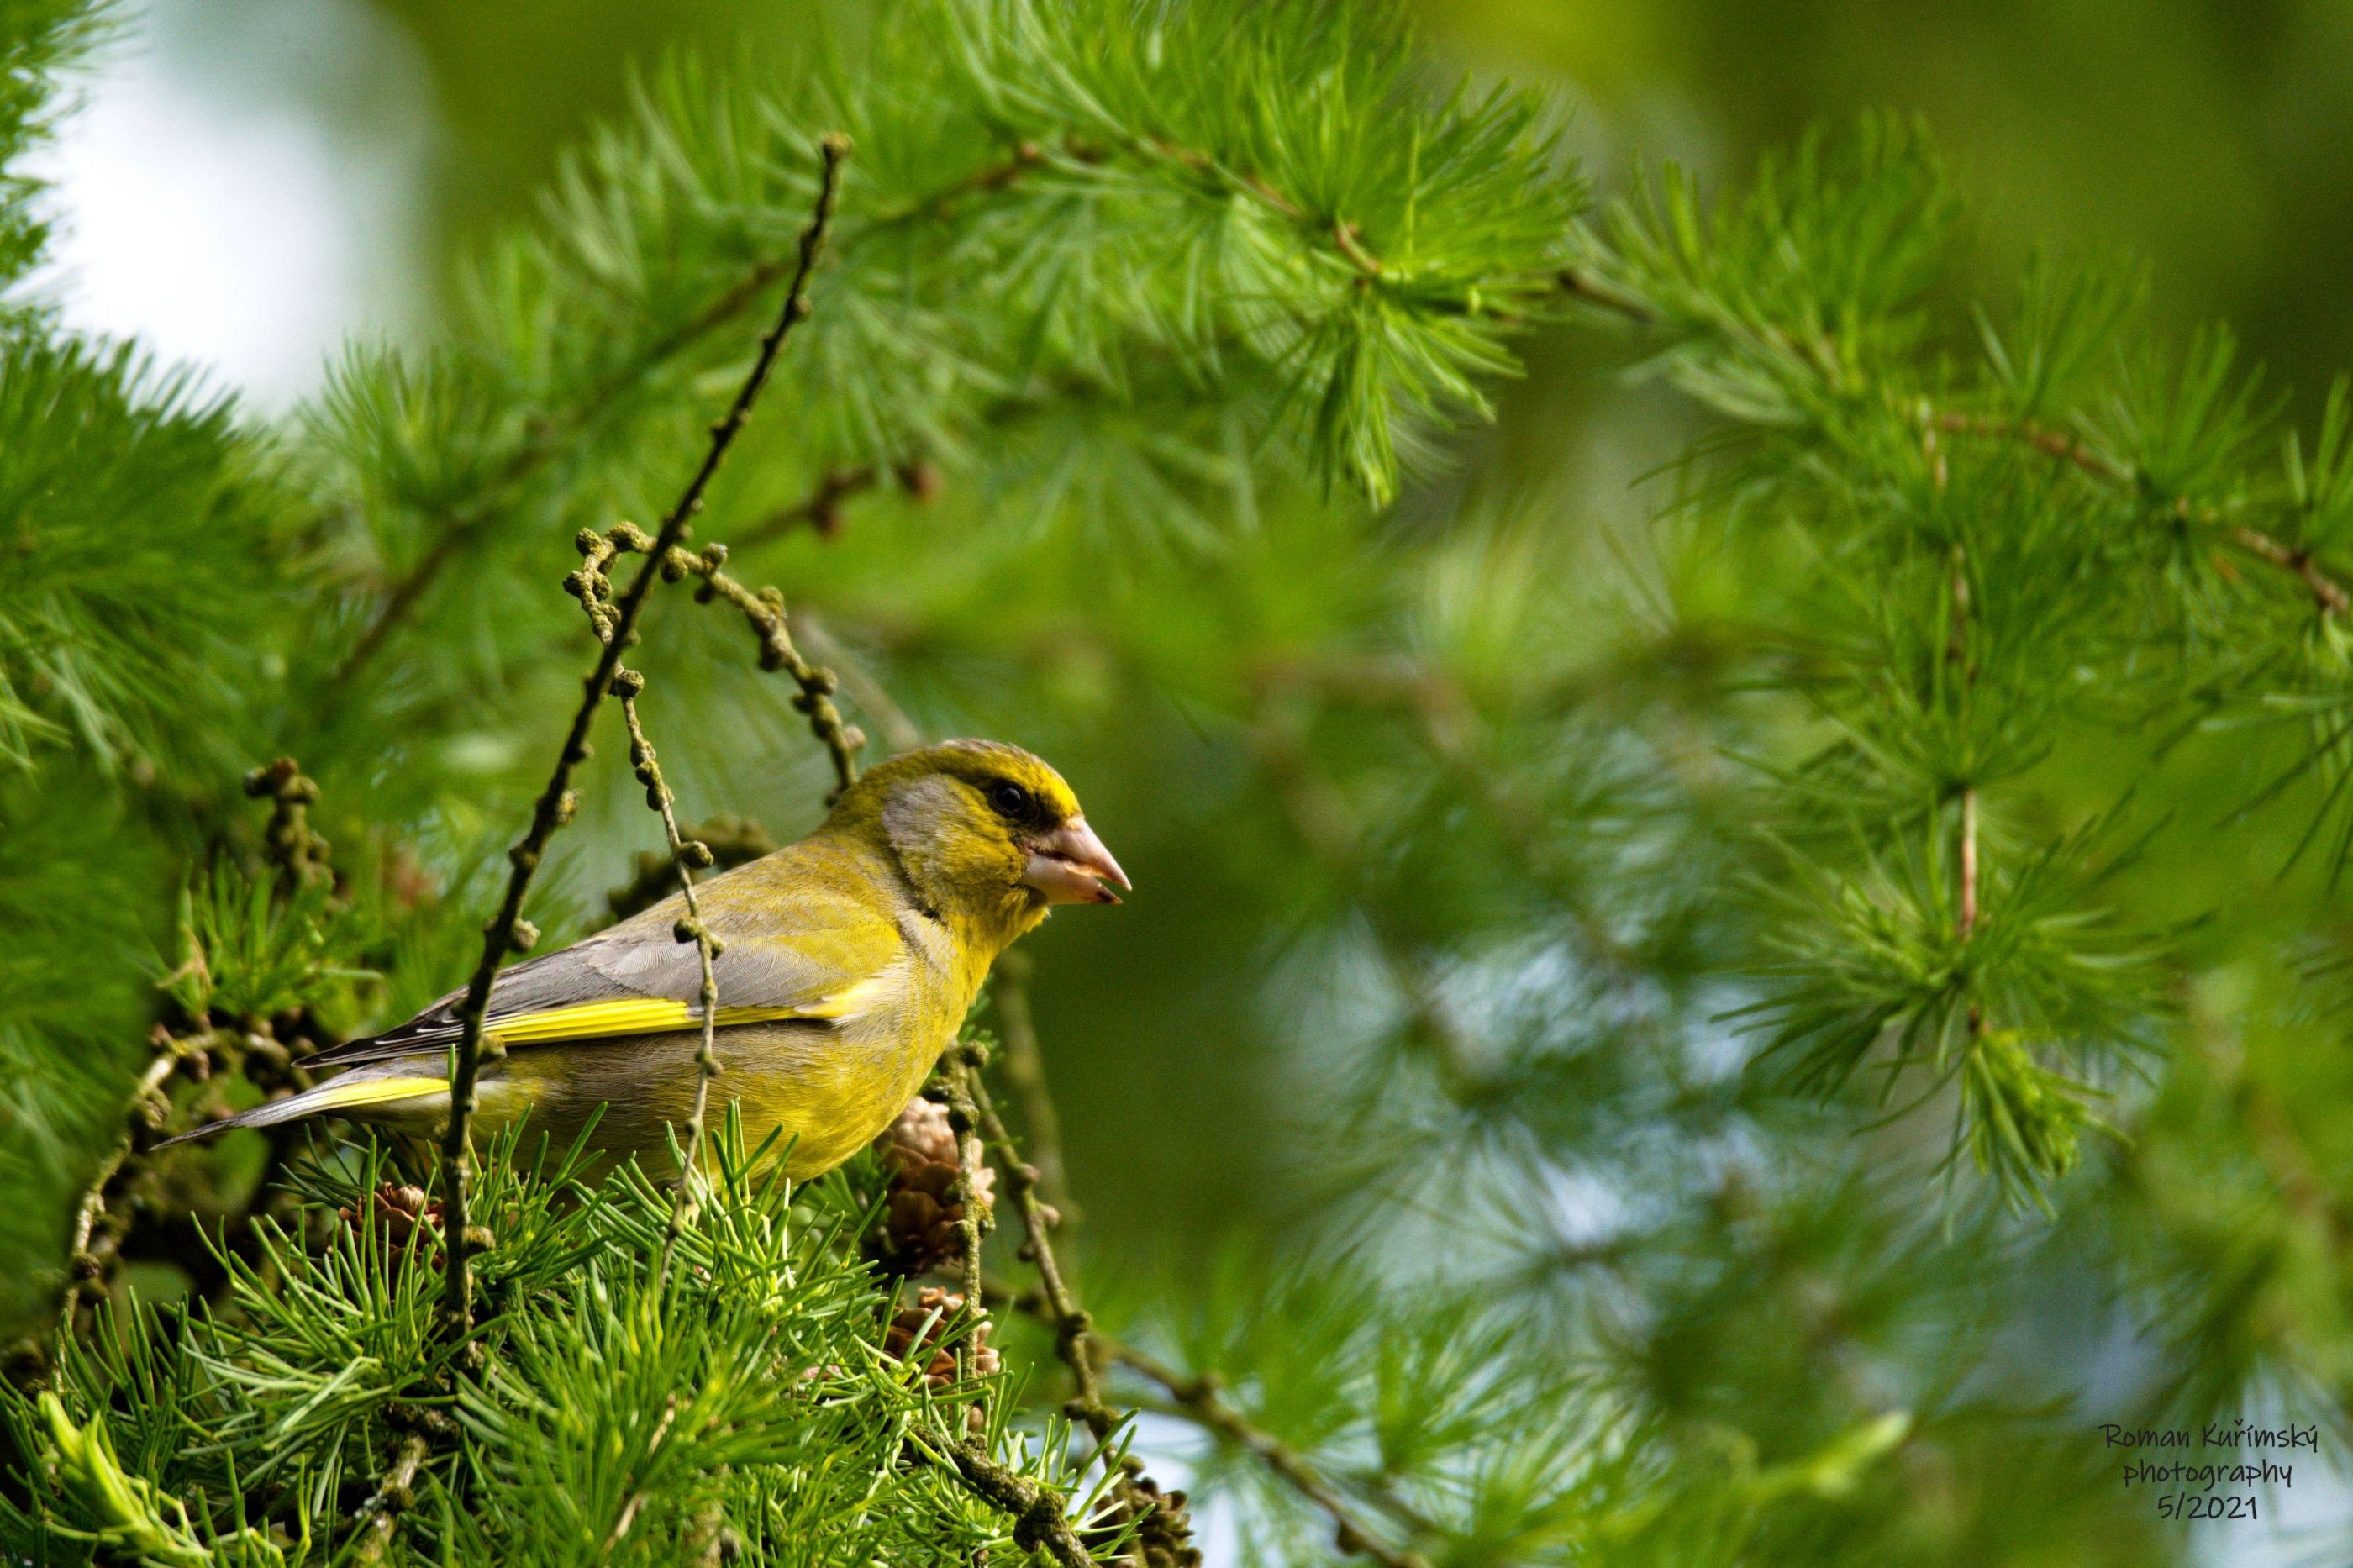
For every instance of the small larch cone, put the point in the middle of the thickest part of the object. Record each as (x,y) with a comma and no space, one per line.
(922,1328)
(397,1211)
(1165,1540)
(922,1227)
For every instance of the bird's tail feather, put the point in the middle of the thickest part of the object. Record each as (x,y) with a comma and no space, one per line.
(349,1093)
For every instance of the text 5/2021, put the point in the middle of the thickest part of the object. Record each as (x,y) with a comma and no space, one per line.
(2184,1505)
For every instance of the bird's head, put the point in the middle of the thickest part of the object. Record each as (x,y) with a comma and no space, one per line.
(987,834)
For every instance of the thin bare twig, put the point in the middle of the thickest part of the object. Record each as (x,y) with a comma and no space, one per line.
(899,733)
(1025,1069)
(557,803)
(594,588)
(820,510)
(1072,1327)
(1075,1341)
(763,612)
(1202,1400)
(2326,591)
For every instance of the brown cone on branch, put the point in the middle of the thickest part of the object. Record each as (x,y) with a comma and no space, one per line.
(921,1332)
(922,1227)
(397,1211)
(1164,1538)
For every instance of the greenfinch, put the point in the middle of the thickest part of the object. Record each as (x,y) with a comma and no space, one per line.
(848,960)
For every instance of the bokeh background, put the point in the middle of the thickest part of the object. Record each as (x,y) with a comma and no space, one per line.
(248,182)
(252,180)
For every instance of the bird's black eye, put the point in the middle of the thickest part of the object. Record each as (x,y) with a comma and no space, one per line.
(1009,798)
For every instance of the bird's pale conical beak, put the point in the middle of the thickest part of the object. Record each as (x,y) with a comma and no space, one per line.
(1071,866)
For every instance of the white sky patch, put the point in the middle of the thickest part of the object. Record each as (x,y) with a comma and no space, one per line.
(2301,1525)
(1171,1449)
(242,188)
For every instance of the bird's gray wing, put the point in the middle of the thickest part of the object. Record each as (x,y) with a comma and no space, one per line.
(807,960)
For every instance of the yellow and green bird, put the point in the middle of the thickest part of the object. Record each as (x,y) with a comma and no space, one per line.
(847,961)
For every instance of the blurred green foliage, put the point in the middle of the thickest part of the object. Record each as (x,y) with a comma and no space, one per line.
(2199,136)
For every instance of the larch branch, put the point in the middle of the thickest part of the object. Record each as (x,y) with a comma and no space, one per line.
(2330,595)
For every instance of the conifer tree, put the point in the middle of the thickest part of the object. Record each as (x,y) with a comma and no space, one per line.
(1737,994)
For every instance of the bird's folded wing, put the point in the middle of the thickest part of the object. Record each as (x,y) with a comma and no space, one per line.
(816,962)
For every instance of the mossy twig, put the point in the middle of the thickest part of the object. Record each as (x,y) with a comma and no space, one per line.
(294,845)
(392,1500)
(899,731)
(1040,1523)
(144,1111)
(763,612)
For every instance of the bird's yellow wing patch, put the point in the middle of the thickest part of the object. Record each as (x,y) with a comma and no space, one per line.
(641,1016)
(354,1093)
